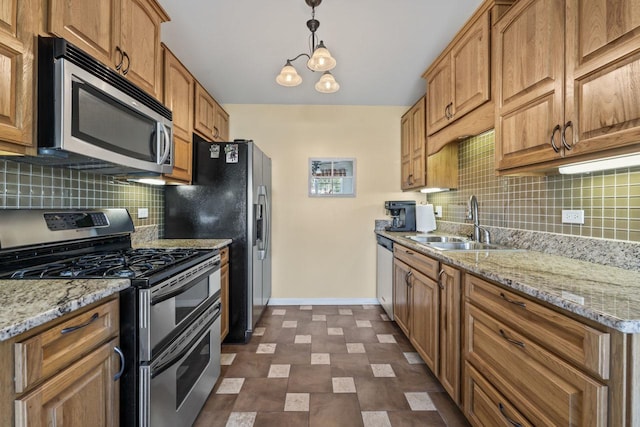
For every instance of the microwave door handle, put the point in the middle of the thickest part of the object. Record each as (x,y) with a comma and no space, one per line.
(167,144)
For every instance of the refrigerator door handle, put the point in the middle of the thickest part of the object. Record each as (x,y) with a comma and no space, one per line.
(267,222)
(263,237)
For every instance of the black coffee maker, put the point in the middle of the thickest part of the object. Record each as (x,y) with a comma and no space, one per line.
(403,215)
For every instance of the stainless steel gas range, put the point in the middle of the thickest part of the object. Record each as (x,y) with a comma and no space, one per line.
(170,326)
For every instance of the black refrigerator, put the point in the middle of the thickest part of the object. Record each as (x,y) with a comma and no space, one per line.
(230,198)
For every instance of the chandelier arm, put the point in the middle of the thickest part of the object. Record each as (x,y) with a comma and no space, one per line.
(302,54)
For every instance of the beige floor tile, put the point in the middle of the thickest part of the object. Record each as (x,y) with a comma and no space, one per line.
(320,359)
(382,370)
(266,348)
(297,402)
(226,359)
(242,419)
(290,324)
(258,332)
(306,307)
(413,358)
(385,317)
(230,386)
(335,331)
(363,323)
(355,347)
(302,339)
(345,312)
(318,317)
(375,419)
(386,339)
(279,371)
(343,385)
(370,307)
(420,401)
(278,312)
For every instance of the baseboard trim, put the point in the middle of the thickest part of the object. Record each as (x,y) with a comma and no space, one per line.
(323,301)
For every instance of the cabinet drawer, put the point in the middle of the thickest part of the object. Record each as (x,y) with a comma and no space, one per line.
(224,256)
(46,353)
(575,341)
(485,406)
(543,387)
(424,264)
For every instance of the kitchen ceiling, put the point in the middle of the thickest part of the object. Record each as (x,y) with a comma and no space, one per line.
(235,48)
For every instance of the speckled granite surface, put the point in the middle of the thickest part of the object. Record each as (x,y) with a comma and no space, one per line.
(143,234)
(186,243)
(611,295)
(30,303)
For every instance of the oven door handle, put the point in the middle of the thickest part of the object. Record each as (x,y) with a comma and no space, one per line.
(163,297)
(183,352)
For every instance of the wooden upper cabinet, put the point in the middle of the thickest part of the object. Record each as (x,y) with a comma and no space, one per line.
(92,25)
(140,41)
(123,34)
(529,64)
(569,82)
(439,98)
(211,120)
(413,147)
(17,37)
(179,88)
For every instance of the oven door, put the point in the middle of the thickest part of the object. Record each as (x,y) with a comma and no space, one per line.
(175,386)
(170,305)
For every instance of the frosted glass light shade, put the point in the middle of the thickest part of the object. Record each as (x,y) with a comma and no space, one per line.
(288,76)
(321,60)
(327,84)
(602,164)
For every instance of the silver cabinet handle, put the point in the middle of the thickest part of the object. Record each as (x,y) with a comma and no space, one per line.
(509,420)
(85,324)
(126,70)
(117,376)
(509,300)
(511,340)
(440,279)
(553,141)
(119,64)
(407,278)
(569,124)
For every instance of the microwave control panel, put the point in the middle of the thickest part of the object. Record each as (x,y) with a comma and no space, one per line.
(75,220)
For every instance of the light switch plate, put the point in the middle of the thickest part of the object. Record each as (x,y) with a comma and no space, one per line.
(572,216)
(143,213)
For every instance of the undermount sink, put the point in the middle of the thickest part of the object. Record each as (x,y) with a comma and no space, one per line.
(468,246)
(436,239)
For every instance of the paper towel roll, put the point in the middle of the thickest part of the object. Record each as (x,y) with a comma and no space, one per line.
(425,218)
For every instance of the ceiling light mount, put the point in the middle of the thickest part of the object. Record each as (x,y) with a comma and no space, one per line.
(319,59)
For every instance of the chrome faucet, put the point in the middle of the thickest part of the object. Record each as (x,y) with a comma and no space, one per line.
(472,214)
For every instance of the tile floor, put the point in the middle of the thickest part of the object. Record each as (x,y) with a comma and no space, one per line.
(326,366)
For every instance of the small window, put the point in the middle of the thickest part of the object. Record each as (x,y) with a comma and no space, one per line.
(332,177)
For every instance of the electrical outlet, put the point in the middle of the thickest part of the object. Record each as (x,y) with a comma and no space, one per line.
(572,216)
(143,213)
(438,211)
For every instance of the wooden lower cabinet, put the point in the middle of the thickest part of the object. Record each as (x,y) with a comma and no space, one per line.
(425,318)
(401,294)
(450,283)
(84,394)
(224,293)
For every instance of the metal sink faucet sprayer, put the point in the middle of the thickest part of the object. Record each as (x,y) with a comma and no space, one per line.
(472,214)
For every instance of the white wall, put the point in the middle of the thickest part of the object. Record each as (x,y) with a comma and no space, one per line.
(325,247)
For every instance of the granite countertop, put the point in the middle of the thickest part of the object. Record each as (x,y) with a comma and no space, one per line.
(30,303)
(607,295)
(186,243)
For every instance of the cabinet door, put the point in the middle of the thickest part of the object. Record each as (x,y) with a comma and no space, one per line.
(140,39)
(91,25)
(439,96)
(418,145)
(470,68)
(224,298)
(221,126)
(182,159)
(405,151)
(401,277)
(85,394)
(602,75)
(204,116)
(425,318)
(450,291)
(17,28)
(178,95)
(529,60)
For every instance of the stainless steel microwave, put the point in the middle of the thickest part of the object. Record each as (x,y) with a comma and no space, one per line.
(92,119)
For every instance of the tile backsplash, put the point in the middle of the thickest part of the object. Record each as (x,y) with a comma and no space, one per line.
(25,186)
(610,199)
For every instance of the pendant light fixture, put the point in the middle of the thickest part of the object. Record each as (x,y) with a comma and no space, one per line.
(320,59)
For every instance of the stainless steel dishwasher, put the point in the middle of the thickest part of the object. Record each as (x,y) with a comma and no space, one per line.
(384,275)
